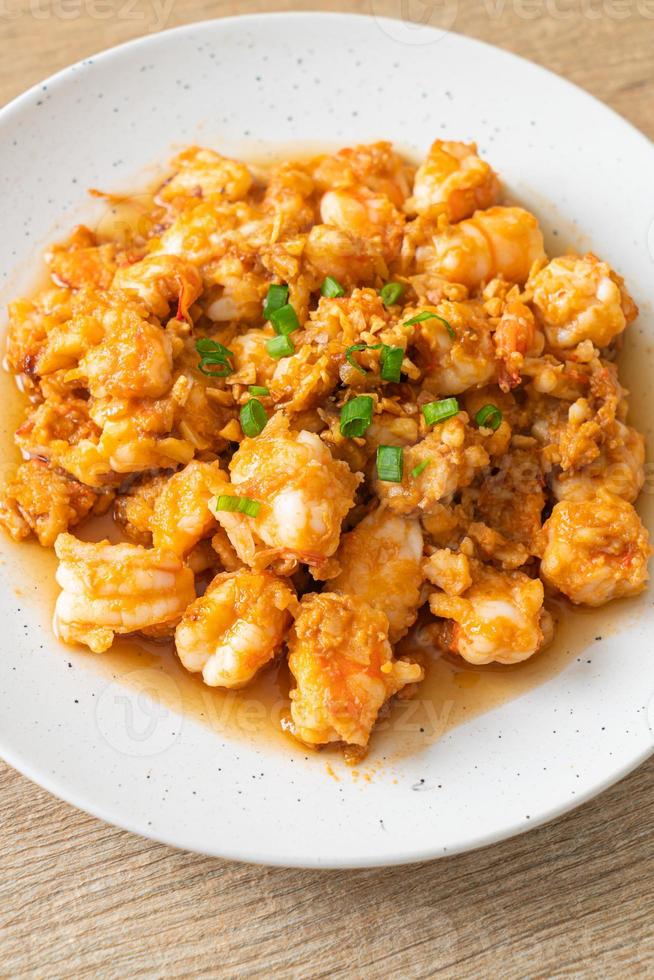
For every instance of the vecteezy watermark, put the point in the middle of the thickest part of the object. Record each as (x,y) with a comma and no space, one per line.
(568,9)
(125,219)
(417,716)
(233,710)
(153,15)
(419,22)
(415,22)
(141,713)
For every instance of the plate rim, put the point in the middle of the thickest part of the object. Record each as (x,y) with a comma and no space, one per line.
(145,39)
(280,860)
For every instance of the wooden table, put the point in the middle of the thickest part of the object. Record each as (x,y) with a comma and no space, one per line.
(79,898)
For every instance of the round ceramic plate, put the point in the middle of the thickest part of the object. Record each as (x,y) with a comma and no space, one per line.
(481,757)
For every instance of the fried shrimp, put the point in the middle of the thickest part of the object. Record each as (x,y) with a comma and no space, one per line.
(453,176)
(497,617)
(303,492)
(367,216)
(133,509)
(442,463)
(619,468)
(134,360)
(82,261)
(203,173)
(343,667)
(380,560)
(580,298)
(516,337)
(46,502)
(181,516)
(109,589)
(595,550)
(161,280)
(324,405)
(455,347)
(348,258)
(499,242)
(236,627)
(375,166)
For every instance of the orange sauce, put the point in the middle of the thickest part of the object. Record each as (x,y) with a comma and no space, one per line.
(453,691)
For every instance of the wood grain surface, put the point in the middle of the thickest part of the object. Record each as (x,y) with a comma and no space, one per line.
(79,898)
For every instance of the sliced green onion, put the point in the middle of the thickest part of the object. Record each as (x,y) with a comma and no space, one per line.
(253,417)
(356,416)
(419,317)
(391,292)
(331,288)
(243,505)
(489,417)
(350,360)
(219,368)
(448,326)
(276,297)
(391,359)
(390,463)
(354,347)
(391,363)
(439,411)
(428,315)
(214,355)
(258,390)
(284,320)
(420,468)
(281,346)
(207,346)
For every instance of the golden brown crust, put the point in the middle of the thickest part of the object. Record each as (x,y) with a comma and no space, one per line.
(138,360)
(44,501)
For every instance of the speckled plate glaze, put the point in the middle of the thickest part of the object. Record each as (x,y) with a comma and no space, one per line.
(102,742)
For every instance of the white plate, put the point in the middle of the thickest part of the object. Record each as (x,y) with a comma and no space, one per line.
(240,84)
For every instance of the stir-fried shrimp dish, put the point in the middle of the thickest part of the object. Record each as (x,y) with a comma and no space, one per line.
(320,400)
